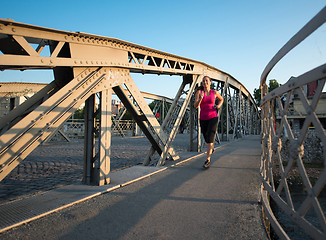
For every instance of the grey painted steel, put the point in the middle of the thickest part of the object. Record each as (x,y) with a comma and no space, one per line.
(86,65)
(275,105)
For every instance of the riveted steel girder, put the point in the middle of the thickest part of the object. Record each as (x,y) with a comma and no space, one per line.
(85,65)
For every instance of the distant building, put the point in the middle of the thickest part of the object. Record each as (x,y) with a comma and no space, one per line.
(13,94)
(296,112)
(296,115)
(116,106)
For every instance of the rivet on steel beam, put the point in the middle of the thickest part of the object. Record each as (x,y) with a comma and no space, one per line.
(86,62)
(42,61)
(13,29)
(66,37)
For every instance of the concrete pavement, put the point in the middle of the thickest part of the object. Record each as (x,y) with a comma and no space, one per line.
(181,201)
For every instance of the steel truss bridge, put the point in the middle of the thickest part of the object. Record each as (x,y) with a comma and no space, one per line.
(87,66)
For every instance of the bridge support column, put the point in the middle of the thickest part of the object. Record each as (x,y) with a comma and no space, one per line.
(97,165)
(105,136)
(89,141)
(195,141)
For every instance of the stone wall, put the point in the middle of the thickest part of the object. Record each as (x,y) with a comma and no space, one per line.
(313,147)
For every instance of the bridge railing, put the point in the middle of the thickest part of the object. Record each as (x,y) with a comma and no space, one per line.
(74,129)
(293,147)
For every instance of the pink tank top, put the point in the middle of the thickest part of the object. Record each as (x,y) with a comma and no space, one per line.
(207,106)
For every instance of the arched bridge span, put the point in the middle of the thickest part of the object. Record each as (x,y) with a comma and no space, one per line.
(85,65)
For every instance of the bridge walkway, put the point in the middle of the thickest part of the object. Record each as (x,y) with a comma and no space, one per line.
(179,201)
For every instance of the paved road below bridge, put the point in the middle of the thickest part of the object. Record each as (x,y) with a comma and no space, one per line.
(182,201)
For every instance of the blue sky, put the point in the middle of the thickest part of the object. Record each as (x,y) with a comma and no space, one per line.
(236,36)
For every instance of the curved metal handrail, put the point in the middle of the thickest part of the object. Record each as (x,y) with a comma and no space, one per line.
(278,135)
(309,28)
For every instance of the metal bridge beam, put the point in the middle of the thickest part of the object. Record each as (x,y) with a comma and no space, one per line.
(85,65)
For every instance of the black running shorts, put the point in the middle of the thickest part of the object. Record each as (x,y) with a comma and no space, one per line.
(208,128)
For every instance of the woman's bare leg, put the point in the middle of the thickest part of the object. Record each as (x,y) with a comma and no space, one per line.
(210,147)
